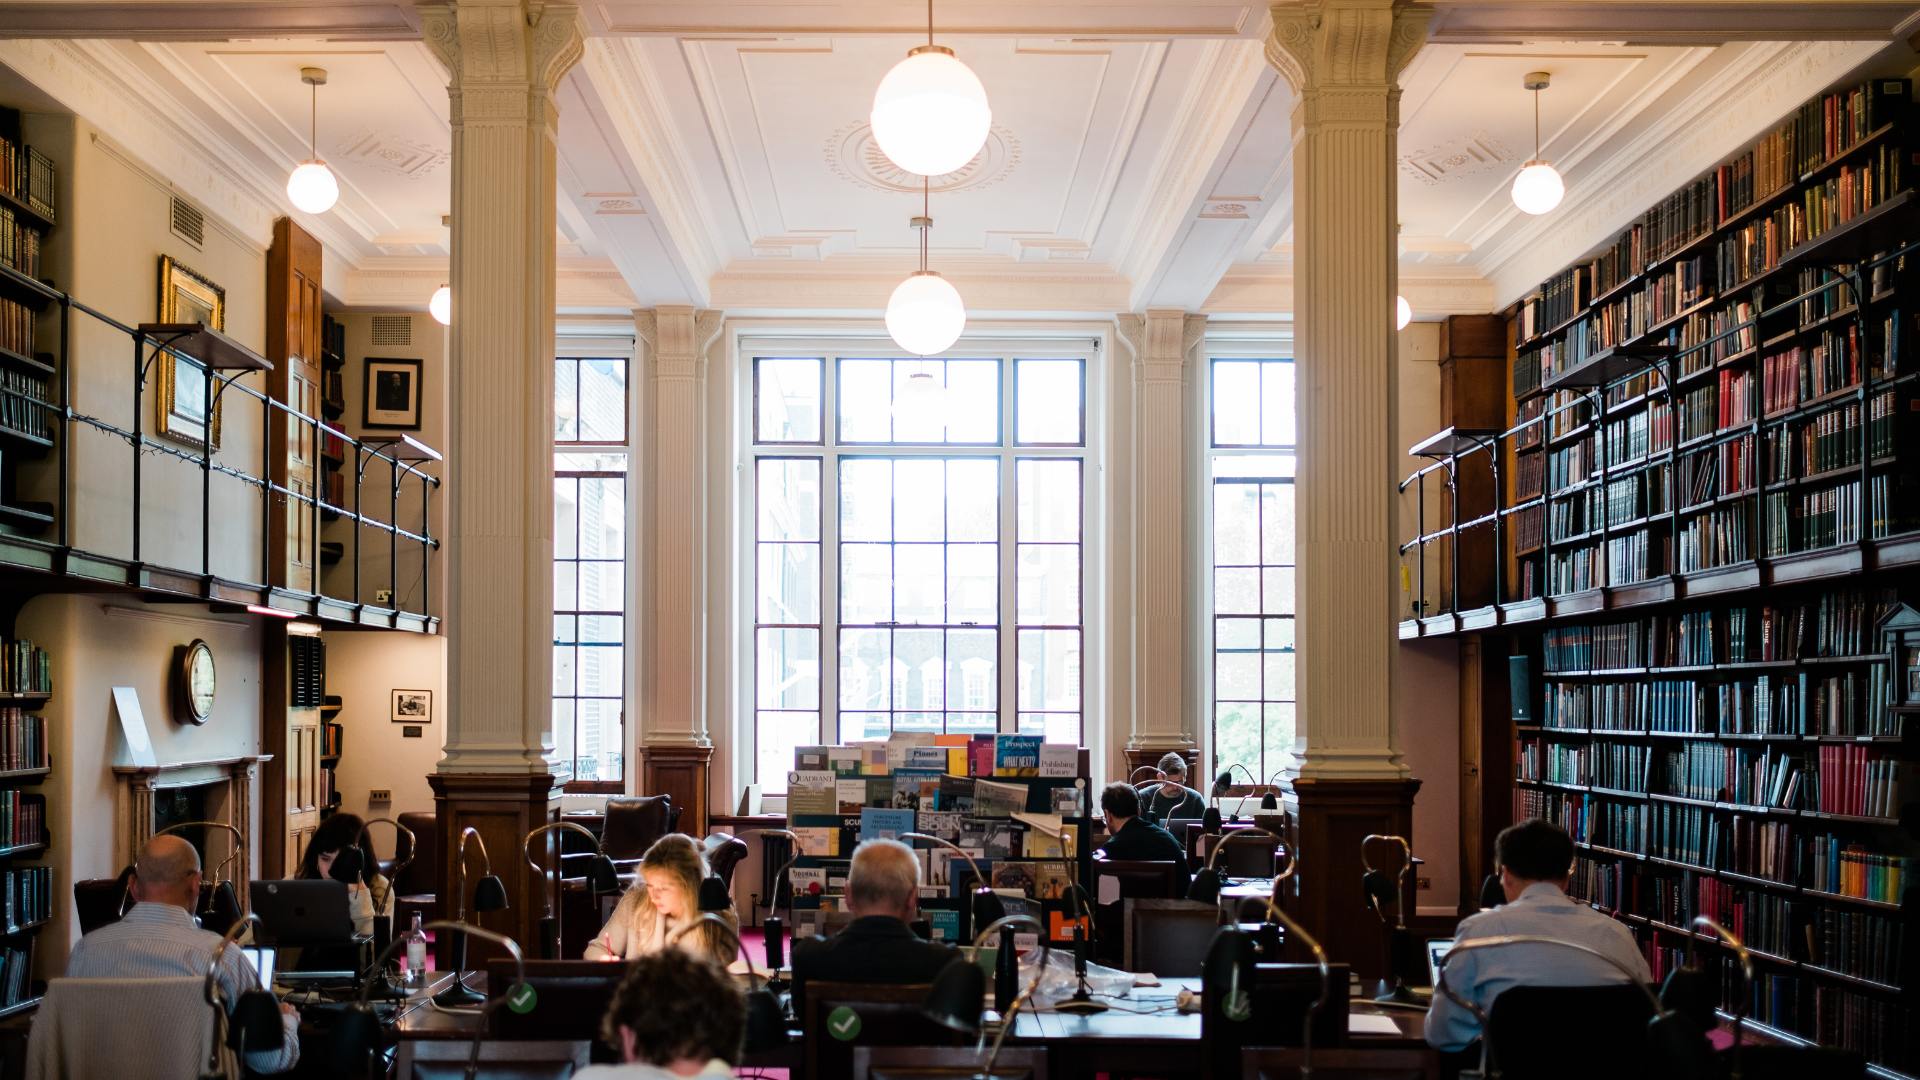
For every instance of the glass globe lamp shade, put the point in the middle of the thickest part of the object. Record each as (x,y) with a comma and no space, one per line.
(313,188)
(1402,313)
(441,306)
(930,114)
(1538,188)
(921,402)
(925,315)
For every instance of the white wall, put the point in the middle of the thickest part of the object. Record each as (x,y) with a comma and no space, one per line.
(98,642)
(1427,672)
(364,667)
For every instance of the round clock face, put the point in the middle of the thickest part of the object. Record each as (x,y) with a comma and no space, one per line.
(197,671)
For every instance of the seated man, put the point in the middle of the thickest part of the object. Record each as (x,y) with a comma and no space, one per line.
(1169,797)
(676,1014)
(1535,859)
(1134,838)
(158,939)
(883,888)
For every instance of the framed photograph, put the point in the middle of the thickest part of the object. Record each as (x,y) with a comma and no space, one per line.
(392,395)
(413,706)
(187,296)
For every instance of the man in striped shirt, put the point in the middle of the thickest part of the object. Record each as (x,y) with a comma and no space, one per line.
(160,939)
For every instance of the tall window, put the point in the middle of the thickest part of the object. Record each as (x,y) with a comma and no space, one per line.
(590,572)
(1251,462)
(897,585)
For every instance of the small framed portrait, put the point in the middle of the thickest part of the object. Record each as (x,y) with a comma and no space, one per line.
(413,706)
(187,297)
(392,395)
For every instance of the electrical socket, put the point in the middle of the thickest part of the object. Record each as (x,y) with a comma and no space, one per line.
(1423,883)
(383,596)
(380,794)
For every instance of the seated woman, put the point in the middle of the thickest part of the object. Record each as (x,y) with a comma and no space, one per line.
(368,893)
(665,898)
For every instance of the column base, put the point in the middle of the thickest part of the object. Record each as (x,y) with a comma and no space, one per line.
(684,772)
(502,809)
(1333,816)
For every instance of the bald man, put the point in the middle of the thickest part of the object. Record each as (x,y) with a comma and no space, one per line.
(883,891)
(159,939)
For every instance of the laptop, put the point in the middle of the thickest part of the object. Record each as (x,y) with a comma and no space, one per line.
(299,912)
(1437,949)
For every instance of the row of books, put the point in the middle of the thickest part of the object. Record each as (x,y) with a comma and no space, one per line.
(1826,442)
(16,976)
(1825,292)
(1849,869)
(962,755)
(27,175)
(1612,267)
(1850,703)
(1572,571)
(1718,537)
(1680,219)
(1659,705)
(1838,623)
(1856,943)
(1829,125)
(1860,781)
(1755,175)
(1712,336)
(1757,247)
(19,244)
(1699,414)
(28,896)
(1559,298)
(1629,439)
(1830,1016)
(1763,920)
(23,819)
(1893,504)
(16,327)
(1631,558)
(1807,373)
(23,740)
(1852,192)
(1813,520)
(1529,476)
(1570,466)
(25,668)
(1575,516)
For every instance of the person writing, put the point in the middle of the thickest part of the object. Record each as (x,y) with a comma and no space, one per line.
(883,887)
(675,1015)
(1535,858)
(159,939)
(665,897)
(1170,797)
(1132,837)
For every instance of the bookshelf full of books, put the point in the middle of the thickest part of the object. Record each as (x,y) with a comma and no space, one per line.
(26,888)
(1710,510)
(1016,805)
(28,396)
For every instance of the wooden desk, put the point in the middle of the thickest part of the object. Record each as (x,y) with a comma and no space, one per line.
(418,1019)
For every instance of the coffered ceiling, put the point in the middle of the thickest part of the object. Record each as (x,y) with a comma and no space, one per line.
(717,154)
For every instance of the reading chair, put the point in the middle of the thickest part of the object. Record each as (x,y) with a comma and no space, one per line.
(946,1063)
(1572,1032)
(1137,879)
(887,1015)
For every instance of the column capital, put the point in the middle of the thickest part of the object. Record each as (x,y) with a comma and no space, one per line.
(1328,44)
(678,331)
(512,42)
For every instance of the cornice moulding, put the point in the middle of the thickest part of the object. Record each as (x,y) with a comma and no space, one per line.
(739,289)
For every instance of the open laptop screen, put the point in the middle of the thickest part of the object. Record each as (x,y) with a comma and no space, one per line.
(1436,955)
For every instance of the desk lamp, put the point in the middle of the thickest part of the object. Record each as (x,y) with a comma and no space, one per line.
(766,1025)
(1673,1036)
(1230,959)
(771,927)
(1382,889)
(1136,789)
(958,996)
(1220,785)
(357,1033)
(601,878)
(488,895)
(1692,993)
(1270,801)
(1081,1003)
(254,1021)
(221,889)
(1206,883)
(987,907)
(382,922)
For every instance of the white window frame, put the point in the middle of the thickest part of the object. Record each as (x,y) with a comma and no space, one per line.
(1091,348)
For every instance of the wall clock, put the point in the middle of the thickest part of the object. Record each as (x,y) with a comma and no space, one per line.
(193,682)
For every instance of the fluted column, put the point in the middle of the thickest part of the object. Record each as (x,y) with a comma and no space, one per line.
(1162,342)
(1343,58)
(674,748)
(506,58)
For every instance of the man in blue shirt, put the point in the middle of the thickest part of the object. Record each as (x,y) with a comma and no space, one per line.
(1536,862)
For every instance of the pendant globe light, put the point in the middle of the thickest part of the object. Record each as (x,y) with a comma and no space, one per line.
(1538,188)
(1402,313)
(930,115)
(312,186)
(441,306)
(925,314)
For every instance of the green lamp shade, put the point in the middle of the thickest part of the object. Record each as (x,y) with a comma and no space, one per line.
(601,876)
(1380,888)
(987,908)
(1268,802)
(1205,887)
(957,997)
(490,894)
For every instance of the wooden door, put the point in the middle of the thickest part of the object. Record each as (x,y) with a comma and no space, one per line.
(293,344)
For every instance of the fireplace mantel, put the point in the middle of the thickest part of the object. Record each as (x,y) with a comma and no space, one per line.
(137,783)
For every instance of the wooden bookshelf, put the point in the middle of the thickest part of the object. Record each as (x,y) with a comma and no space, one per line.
(1709,498)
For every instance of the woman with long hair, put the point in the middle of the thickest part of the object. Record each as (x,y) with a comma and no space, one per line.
(664,898)
(368,893)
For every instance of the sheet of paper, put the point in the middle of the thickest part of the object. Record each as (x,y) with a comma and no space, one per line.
(1109,890)
(1145,978)
(133,724)
(1371,1024)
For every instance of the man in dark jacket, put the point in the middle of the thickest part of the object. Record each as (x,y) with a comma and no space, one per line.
(1169,797)
(883,886)
(1135,838)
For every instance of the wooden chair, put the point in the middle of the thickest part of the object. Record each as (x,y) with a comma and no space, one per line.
(1139,879)
(415,890)
(571,998)
(946,1063)
(1281,995)
(1334,1063)
(1252,857)
(1533,1027)
(1168,937)
(889,1016)
(446,1059)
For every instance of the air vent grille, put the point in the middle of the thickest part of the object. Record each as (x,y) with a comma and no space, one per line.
(189,223)
(393,329)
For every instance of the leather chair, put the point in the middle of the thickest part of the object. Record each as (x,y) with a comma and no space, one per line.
(101,901)
(724,852)
(1168,937)
(889,1015)
(632,826)
(415,889)
(1279,1000)
(1533,1027)
(570,998)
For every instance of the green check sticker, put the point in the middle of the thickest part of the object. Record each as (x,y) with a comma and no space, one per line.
(844,1024)
(523,999)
